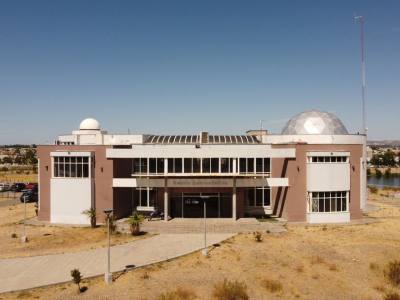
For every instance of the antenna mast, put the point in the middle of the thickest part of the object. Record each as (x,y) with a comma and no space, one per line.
(361,20)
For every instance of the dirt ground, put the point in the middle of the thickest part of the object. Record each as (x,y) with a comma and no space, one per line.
(307,262)
(12,176)
(48,239)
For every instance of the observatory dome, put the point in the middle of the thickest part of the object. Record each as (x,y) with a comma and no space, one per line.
(89,124)
(314,122)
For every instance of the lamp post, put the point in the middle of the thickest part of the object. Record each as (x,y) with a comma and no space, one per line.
(108,274)
(24,238)
(205,250)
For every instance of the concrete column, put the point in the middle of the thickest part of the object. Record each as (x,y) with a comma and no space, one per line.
(165,204)
(234,200)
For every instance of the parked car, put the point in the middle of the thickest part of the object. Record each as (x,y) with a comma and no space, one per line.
(31,186)
(29,196)
(4,187)
(18,187)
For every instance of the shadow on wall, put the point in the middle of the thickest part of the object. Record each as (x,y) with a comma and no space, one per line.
(280,198)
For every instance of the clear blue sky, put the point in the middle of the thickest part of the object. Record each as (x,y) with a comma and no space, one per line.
(186,66)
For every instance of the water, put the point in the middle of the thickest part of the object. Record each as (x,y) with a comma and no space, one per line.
(384,181)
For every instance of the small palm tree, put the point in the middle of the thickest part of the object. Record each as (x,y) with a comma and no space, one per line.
(76,278)
(135,221)
(91,214)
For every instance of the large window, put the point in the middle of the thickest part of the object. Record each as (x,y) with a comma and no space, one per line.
(328,159)
(71,166)
(328,201)
(192,165)
(140,165)
(156,165)
(258,196)
(174,165)
(263,165)
(227,165)
(246,165)
(146,197)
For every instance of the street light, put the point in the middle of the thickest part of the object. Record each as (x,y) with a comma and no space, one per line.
(24,238)
(205,250)
(108,274)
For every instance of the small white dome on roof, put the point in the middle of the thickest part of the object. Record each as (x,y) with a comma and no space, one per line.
(315,122)
(89,124)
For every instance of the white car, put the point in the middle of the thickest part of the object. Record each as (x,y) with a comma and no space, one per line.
(4,187)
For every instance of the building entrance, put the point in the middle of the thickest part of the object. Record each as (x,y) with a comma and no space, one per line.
(191,205)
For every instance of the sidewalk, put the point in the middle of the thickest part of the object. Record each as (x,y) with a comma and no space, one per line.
(196,225)
(30,272)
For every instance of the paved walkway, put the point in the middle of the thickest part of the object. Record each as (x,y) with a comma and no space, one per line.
(196,225)
(30,272)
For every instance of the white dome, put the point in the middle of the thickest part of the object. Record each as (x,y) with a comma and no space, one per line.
(314,122)
(89,124)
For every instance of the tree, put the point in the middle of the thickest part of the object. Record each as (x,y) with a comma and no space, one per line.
(388,158)
(7,160)
(76,278)
(91,214)
(30,157)
(135,221)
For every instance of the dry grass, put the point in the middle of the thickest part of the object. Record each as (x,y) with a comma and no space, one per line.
(317,260)
(14,177)
(391,296)
(373,266)
(230,290)
(272,286)
(178,294)
(359,253)
(48,239)
(392,273)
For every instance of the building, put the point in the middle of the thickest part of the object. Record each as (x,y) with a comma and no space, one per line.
(313,171)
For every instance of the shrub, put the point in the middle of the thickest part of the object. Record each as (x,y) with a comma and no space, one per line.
(391,296)
(178,294)
(373,189)
(145,275)
(76,278)
(392,272)
(378,173)
(388,172)
(368,172)
(135,221)
(317,260)
(257,236)
(4,169)
(373,266)
(300,269)
(333,267)
(91,214)
(272,286)
(230,290)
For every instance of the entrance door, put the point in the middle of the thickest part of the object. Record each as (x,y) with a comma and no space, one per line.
(187,205)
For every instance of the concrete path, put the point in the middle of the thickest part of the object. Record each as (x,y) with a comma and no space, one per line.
(196,225)
(30,272)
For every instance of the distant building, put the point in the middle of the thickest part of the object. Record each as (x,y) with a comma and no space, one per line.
(312,172)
